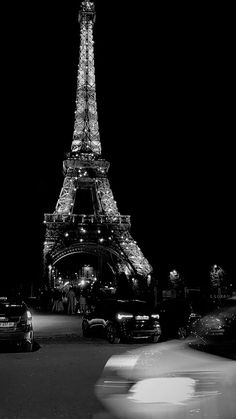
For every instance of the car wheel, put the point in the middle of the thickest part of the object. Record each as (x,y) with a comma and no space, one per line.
(111,334)
(155,338)
(182,332)
(85,329)
(27,346)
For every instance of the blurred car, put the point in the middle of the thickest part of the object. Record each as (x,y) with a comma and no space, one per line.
(176,379)
(176,317)
(170,380)
(219,324)
(122,320)
(16,323)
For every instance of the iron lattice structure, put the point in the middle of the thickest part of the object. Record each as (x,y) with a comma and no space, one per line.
(103,231)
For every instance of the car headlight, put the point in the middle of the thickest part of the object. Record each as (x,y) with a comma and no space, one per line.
(173,390)
(26,319)
(28,315)
(122,316)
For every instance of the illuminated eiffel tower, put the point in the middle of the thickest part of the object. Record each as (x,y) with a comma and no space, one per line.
(86,220)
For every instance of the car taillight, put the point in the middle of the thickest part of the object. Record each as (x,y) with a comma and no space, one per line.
(27,318)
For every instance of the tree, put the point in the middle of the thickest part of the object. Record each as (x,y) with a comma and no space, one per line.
(217,276)
(176,282)
(219,282)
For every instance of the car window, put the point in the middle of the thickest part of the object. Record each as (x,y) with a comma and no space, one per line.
(98,310)
(104,308)
(107,308)
(132,307)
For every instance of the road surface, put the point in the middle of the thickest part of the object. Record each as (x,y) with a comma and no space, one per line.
(57,379)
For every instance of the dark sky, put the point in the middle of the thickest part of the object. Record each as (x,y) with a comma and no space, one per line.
(165,80)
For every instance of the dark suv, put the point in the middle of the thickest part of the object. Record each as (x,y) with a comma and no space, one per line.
(16,323)
(122,320)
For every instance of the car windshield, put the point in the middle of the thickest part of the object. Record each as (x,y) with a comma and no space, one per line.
(11,309)
(133,306)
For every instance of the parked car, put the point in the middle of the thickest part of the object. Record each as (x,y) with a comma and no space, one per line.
(122,320)
(175,379)
(16,323)
(176,317)
(219,324)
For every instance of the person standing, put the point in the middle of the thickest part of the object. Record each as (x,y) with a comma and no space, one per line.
(82,303)
(71,303)
(64,301)
(56,298)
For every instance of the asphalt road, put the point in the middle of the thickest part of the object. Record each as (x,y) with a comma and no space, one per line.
(57,379)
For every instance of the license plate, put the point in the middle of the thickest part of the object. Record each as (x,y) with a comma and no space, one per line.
(142,317)
(7,324)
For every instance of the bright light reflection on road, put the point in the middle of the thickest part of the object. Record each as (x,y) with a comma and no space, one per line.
(163,390)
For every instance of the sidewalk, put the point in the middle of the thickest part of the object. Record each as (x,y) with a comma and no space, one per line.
(49,325)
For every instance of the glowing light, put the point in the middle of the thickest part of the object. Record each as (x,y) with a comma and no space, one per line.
(155,316)
(124,316)
(173,390)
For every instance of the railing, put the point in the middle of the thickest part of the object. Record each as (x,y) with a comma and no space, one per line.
(84,218)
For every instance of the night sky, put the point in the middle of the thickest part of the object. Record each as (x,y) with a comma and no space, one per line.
(165,80)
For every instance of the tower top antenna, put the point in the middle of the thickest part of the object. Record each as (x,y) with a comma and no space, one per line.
(86,138)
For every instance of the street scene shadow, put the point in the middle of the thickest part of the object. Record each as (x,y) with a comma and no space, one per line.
(10,348)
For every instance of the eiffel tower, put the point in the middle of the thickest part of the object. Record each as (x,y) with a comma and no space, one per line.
(86,222)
